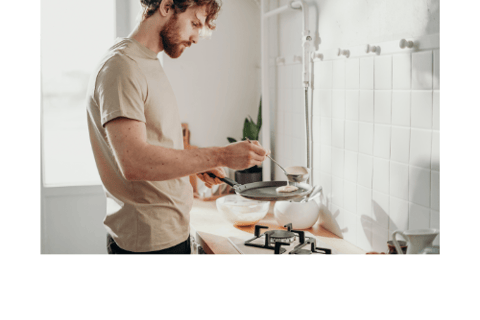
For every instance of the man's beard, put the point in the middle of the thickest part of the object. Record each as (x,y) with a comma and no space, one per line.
(172,44)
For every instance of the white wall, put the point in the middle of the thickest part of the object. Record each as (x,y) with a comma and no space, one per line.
(72,220)
(376,119)
(217,81)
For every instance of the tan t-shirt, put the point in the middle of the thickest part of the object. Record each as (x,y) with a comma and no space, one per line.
(130,82)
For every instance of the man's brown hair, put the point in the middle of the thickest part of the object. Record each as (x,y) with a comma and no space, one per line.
(212,8)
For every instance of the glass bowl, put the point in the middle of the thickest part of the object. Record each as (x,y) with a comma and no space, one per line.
(241,211)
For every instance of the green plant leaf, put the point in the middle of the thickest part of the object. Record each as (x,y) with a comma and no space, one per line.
(250,131)
(259,118)
(231,140)
(245,125)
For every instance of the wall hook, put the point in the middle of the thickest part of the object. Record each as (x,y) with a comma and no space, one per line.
(297,59)
(280,60)
(317,56)
(374,49)
(346,53)
(405,44)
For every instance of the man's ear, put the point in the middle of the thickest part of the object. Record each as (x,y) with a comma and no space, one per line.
(165,8)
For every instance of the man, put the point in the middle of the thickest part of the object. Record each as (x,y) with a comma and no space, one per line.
(136,134)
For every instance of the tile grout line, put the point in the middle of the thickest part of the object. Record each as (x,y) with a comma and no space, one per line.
(409,139)
(431,146)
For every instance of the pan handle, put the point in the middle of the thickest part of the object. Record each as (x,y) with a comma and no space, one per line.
(230,182)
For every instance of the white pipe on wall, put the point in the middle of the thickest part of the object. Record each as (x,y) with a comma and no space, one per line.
(266,167)
(306,43)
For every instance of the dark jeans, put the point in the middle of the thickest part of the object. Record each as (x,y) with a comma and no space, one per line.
(182,248)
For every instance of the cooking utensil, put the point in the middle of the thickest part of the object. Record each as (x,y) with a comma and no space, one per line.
(292,177)
(285,172)
(266,190)
(297,177)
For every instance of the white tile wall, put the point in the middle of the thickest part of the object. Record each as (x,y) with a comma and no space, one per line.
(337,191)
(399,180)
(419,217)
(365,169)
(379,238)
(400,148)
(350,196)
(381,209)
(364,201)
(351,165)
(383,107)
(351,104)
(338,158)
(381,147)
(401,108)
(323,98)
(338,74)
(435,192)
(364,233)
(365,143)
(419,186)
(422,109)
(402,66)
(323,75)
(383,72)
(325,131)
(351,135)
(338,104)
(381,175)
(435,223)
(436,69)
(338,133)
(436,110)
(420,147)
(352,75)
(365,107)
(422,67)
(377,148)
(350,229)
(398,214)
(435,150)
(366,73)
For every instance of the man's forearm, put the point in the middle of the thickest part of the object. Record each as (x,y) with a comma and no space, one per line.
(155,163)
(139,160)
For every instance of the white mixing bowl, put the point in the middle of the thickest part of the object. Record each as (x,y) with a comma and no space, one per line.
(300,215)
(241,211)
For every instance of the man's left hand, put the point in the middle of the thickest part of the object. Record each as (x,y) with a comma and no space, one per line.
(209,181)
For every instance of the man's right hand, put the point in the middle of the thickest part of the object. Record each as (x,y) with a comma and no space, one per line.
(243,155)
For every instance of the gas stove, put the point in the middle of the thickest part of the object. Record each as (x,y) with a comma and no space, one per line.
(279,242)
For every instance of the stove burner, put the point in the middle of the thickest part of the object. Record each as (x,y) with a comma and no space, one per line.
(275,239)
(280,234)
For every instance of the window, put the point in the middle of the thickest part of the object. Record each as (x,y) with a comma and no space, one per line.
(74,37)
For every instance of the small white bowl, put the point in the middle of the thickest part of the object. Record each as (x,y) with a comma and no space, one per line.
(300,215)
(241,211)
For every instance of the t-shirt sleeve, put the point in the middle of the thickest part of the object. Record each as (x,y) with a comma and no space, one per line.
(120,90)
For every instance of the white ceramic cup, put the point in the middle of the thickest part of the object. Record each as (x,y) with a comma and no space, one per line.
(417,240)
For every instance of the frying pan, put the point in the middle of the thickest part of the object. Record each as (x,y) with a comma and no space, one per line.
(266,190)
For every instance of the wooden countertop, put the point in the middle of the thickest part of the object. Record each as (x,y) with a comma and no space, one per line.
(211,230)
